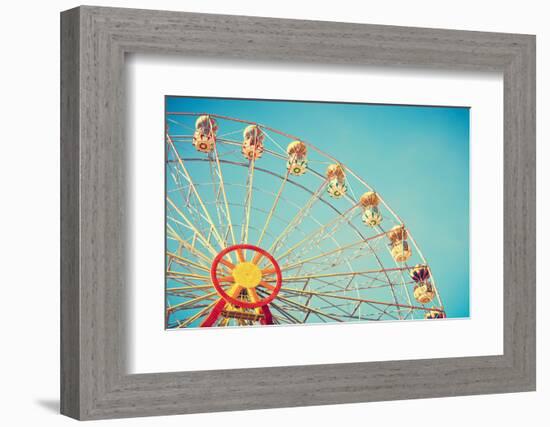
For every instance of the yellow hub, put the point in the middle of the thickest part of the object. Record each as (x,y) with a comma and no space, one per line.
(247,274)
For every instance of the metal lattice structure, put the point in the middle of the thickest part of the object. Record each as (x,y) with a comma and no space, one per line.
(265,228)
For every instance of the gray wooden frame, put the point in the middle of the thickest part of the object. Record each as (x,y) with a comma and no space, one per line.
(94,41)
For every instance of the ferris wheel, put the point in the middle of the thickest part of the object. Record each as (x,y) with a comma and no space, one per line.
(264,228)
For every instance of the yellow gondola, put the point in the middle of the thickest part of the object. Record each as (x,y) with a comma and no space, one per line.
(424,293)
(401,251)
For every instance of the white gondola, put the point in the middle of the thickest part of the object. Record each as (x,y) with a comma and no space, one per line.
(253,142)
(204,136)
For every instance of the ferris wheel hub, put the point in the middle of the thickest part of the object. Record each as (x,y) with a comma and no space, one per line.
(256,269)
(247,274)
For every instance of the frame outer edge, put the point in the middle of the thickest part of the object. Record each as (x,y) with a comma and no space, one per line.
(519,217)
(70,396)
(531,212)
(522,179)
(91,387)
(531,107)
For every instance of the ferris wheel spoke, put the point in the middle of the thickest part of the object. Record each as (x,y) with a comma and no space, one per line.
(184,295)
(363,300)
(307,308)
(197,195)
(341,219)
(383,312)
(186,275)
(407,294)
(199,225)
(358,254)
(372,250)
(187,294)
(335,287)
(227,264)
(183,138)
(386,312)
(373,283)
(277,320)
(257,257)
(248,200)
(191,302)
(339,256)
(225,135)
(203,238)
(190,290)
(186,262)
(221,214)
(172,219)
(410,313)
(186,288)
(345,273)
(291,266)
(273,207)
(266,285)
(223,323)
(189,241)
(182,125)
(227,279)
(186,197)
(284,313)
(392,289)
(360,304)
(356,308)
(266,133)
(298,218)
(197,315)
(335,306)
(253,295)
(224,194)
(189,265)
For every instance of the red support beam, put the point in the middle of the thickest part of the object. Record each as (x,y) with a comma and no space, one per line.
(214,314)
(268,318)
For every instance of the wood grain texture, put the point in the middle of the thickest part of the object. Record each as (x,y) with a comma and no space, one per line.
(94,381)
(70,291)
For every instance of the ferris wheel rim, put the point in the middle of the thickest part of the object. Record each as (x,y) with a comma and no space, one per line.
(322,153)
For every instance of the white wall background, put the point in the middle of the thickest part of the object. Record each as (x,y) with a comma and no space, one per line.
(29,211)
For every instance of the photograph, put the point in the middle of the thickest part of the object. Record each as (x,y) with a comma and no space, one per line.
(285,212)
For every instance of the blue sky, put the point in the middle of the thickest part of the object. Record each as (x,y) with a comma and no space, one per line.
(416,157)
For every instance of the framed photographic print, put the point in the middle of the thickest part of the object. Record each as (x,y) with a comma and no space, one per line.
(292,213)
